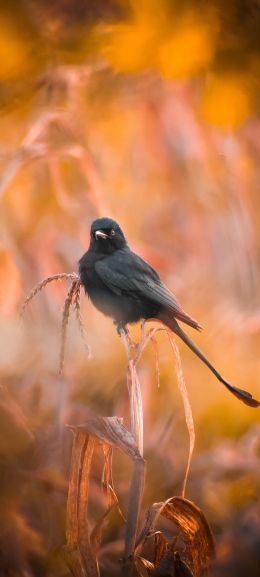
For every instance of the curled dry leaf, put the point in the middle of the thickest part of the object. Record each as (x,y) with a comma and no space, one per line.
(194,531)
(143,566)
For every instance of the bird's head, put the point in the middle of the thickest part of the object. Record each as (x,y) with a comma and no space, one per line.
(106,235)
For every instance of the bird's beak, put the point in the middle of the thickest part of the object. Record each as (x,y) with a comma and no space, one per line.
(100,234)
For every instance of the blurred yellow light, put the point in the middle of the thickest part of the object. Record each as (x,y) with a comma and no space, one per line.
(129,48)
(13,51)
(226,101)
(188,49)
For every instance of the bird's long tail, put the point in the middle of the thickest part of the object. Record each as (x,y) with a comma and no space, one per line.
(242,395)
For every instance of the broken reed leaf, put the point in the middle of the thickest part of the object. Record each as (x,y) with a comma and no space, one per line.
(186,405)
(79,442)
(87,551)
(79,319)
(41,285)
(65,320)
(81,556)
(111,431)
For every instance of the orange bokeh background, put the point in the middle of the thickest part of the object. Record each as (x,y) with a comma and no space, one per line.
(147,112)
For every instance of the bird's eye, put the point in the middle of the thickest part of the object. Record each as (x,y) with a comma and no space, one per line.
(113,232)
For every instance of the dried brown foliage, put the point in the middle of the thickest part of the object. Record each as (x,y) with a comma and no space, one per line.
(83,542)
(165,556)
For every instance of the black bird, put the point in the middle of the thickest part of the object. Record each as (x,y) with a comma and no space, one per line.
(125,287)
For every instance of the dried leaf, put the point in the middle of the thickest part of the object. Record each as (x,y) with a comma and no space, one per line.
(111,431)
(80,552)
(88,554)
(143,566)
(195,531)
(79,443)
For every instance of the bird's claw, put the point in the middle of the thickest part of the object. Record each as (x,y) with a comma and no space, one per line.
(122,328)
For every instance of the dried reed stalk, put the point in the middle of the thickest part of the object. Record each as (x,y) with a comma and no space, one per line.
(41,285)
(65,319)
(72,297)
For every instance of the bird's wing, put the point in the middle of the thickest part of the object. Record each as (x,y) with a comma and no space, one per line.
(125,272)
(120,272)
